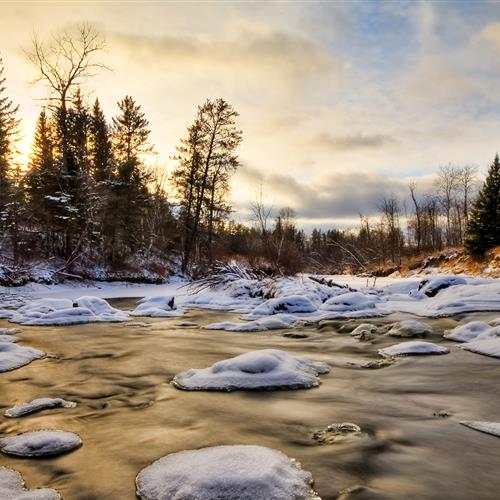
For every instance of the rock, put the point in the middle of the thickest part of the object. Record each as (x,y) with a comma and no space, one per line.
(442,414)
(365,331)
(12,487)
(337,432)
(40,443)
(266,369)
(225,473)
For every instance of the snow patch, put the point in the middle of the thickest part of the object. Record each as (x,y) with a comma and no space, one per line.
(265,369)
(474,330)
(225,473)
(158,306)
(291,304)
(38,405)
(489,347)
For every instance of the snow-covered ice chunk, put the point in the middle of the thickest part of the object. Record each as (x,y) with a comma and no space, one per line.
(265,369)
(10,331)
(289,304)
(12,487)
(259,325)
(157,306)
(432,287)
(139,323)
(410,328)
(8,338)
(474,330)
(40,443)
(492,428)
(241,472)
(352,301)
(488,347)
(413,347)
(67,312)
(14,356)
(38,405)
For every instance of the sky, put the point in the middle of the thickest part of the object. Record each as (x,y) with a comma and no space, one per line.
(340,103)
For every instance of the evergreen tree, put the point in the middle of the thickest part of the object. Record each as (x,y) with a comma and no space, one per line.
(9,127)
(100,145)
(131,196)
(483,230)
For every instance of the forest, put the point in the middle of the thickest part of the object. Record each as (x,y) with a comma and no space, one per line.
(92,201)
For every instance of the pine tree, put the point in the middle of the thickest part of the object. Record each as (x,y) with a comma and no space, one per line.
(483,230)
(9,128)
(130,191)
(100,145)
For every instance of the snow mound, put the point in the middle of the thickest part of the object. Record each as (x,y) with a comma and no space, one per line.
(225,473)
(488,347)
(12,487)
(38,405)
(492,428)
(352,301)
(14,356)
(432,287)
(265,369)
(158,306)
(474,330)
(259,325)
(410,328)
(68,312)
(40,443)
(291,304)
(413,347)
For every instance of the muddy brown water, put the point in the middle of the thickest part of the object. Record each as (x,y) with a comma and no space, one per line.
(129,414)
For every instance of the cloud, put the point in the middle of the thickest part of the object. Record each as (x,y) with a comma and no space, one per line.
(352,142)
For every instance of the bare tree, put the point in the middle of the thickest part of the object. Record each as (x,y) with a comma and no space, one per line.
(63,65)
(466,180)
(418,215)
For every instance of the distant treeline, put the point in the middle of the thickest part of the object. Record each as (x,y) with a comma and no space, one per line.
(88,195)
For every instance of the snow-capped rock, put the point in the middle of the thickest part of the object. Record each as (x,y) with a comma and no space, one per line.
(38,405)
(431,287)
(259,325)
(289,304)
(68,312)
(225,473)
(12,487)
(257,370)
(159,306)
(352,301)
(492,428)
(14,356)
(474,330)
(487,347)
(413,347)
(40,443)
(410,328)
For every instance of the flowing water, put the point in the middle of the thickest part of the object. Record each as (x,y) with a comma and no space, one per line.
(129,414)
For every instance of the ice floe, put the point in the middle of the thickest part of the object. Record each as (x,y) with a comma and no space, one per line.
(67,312)
(413,347)
(38,404)
(243,472)
(40,443)
(410,328)
(159,306)
(265,369)
(492,428)
(14,356)
(12,487)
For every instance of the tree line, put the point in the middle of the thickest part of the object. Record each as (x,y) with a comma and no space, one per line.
(89,197)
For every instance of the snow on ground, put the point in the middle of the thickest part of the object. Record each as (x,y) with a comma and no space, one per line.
(413,347)
(265,369)
(288,298)
(225,472)
(12,487)
(40,443)
(14,356)
(492,428)
(38,405)
(50,311)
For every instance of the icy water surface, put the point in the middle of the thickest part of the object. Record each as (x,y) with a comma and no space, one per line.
(128,413)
